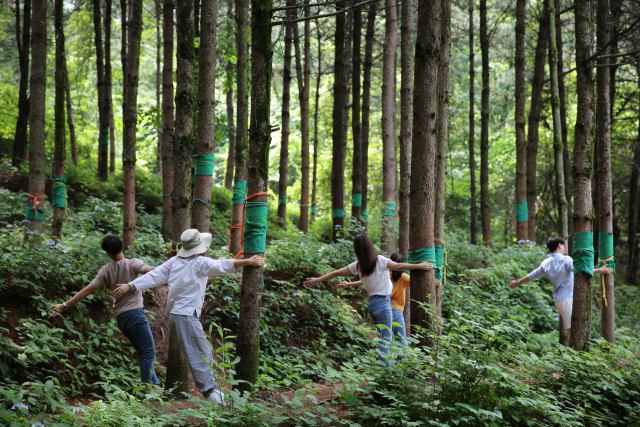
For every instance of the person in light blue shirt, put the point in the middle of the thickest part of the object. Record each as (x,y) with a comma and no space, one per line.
(558,267)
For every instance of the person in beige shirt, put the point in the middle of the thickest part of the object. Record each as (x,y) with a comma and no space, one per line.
(129,310)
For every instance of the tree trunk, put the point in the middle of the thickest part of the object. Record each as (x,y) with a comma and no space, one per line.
(72,128)
(123,49)
(201,213)
(442,143)
(339,91)
(242,142)
(20,140)
(484,132)
(563,222)
(167,117)
(258,175)
(228,178)
(406,125)
(563,123)
(521,144)
(534,117)
(37,135)
(303,95)
(60,150)
(472,131)
(389,149)
(103,111)
(366,106)
(583,170)
(284,142)
(183,145)
(423,159)
(348,65)
(356,123)
(158,73)
(196,18)
(632,268)
(108,86)
(316,114)
(605,205)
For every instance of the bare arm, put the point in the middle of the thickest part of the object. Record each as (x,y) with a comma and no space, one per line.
(603,270)
(514,283)
(312,281)
(148,269)
(255,261)
(392,265)
(345,285)
(85,292)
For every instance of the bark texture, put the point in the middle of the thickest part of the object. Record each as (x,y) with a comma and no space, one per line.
(72,129)
(283,180)
(604,190)
(389,149)
(167,117)
(316,114)
(258,175)
(103,112)
(304,78)
(108,85)
(242,142)
(37,96)
(632,268)
(583,169)
(520,95)
(339,93)
(231,158)
(366,102)
(484,131)
(201,213)
(20,139)
(423,158)
(60,140)
(356,123)
(123,48)
(158,84)
(472,131)
(183,144)
(534,117)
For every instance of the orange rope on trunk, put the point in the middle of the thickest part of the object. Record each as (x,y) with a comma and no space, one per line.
(241,225)
(35,200)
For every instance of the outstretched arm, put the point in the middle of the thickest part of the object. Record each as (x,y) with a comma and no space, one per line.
(155,277)
(514,283)
(345,285)
(312,281)
(60,308)
(603,270)
(255,261)
(392,265)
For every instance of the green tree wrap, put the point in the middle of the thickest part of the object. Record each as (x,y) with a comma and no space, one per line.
(34,215)
(59,191)
(337,213)
(364,214)
(422,255)
(282,200)
(439,264)
(389,209)
(104,140)
(583,253)
(204,164)
(255,227)
(605,250)
(239,192)
(522,211)
(356,200)
(313,209)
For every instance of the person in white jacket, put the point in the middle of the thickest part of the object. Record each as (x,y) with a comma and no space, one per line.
(186,275)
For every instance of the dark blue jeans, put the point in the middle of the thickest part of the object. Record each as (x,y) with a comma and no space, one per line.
(380,312)
(135,326)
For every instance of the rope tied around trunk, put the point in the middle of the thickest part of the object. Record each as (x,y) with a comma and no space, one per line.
(34,213)
(605,258)
(204,202)
(204,164)
(253,225)
(239,192)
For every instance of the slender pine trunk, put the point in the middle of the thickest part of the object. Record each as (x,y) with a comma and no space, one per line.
(108,86)
(356,123)
(366,106)
(37,97)
(472,131)
(60,150)
(283,180)
(389,148)
(228,178)
(103,112)
(484,131)
(580,337)
(200,212)
(423,159)
(258,174)
(303,78)
(167,117)
(123,48)
(605,205)
(72,128)
(158,79)
(520,95)
(316,115)
(21,136)
(632,267)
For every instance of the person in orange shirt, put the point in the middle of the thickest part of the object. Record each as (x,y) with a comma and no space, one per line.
(400,281)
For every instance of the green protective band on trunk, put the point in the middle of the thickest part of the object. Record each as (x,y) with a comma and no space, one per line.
(583,253)
(59,191)
(204,164)
(104,139)
(337,213)
(34,215)
(255,227)
(439,264)
(356,200)
(422,255)
(522,211)
(282,200)
(364,214)
(313,209)
(239,192)
(389,209)
(605,250)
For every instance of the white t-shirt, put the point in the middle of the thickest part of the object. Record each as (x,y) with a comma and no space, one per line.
(378,282)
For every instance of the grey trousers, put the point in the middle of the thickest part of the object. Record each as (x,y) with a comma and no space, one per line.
(194,346)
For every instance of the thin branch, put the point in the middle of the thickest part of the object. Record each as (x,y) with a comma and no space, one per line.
(564,73)
(301,5)
(615,64)
(611,40)
(618,55)
(346,9)
(570,8)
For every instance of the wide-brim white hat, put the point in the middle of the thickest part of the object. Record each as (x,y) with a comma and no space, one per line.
(194,243)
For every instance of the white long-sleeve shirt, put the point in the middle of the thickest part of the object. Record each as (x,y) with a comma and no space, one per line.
(187,280)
